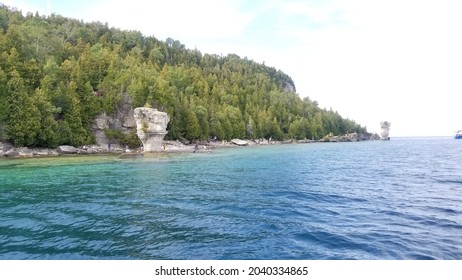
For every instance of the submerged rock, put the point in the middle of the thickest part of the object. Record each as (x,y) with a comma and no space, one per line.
(151,127)
(131,155)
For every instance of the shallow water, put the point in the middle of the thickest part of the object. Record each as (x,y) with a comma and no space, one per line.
(398,199)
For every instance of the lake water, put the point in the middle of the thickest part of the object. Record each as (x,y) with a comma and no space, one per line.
(398,199)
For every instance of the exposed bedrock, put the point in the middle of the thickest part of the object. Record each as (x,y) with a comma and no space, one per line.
(151,127)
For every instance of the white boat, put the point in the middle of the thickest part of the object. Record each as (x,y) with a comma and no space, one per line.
(458,135)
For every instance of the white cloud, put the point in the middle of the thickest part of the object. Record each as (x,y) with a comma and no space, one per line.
(25,6)
(181,20)
(391,61)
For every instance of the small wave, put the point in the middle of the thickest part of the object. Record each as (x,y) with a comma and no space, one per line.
(239,204)
(444,211)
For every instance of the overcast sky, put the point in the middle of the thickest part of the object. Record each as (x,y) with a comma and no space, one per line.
(393,60)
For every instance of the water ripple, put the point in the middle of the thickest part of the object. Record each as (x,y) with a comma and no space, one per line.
(373,200)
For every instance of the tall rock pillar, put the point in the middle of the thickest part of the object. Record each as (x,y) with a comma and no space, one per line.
(151,127)
(385,130)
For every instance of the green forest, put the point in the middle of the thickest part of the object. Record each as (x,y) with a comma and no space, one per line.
(57,74)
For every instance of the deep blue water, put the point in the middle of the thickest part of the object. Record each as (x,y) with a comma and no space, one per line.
(398,199)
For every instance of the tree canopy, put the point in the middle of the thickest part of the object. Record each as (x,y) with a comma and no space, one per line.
(57,74)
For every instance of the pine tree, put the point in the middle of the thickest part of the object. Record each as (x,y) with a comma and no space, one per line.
(3,104)
(56,74)
(23,122)
(192,126)
(47,134)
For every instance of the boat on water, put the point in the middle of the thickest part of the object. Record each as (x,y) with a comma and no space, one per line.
(458,135)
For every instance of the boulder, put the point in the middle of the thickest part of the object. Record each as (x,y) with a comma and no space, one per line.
(42,152)
(11,153)
(6,146)
(25,152)
(151,127)
(7,150)
(67,150)
(239,142)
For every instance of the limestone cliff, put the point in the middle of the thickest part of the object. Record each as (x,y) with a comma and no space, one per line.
(121,119)
(151,127)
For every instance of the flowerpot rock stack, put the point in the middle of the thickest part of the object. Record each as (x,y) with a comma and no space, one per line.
(385,130)
(151,127)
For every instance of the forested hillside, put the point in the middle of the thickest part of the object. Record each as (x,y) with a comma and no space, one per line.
(57,74)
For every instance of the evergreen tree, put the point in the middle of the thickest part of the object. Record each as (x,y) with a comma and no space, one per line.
(23,123)
(47,134)
(202,117)
(3,104)
(57,74)
(192,126)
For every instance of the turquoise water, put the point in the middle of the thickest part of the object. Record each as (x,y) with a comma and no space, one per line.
(398,199)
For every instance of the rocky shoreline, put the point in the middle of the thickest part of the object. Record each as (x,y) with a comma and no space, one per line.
(9,151)
(151,127)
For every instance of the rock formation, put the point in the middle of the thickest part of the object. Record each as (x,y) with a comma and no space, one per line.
(384,130)
(121,119)
(151,127)
(239,142)
(67,150)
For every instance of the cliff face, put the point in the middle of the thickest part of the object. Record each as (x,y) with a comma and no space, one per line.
(151,127)
(122,119)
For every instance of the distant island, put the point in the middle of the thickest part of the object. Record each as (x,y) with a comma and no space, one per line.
(67,82)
